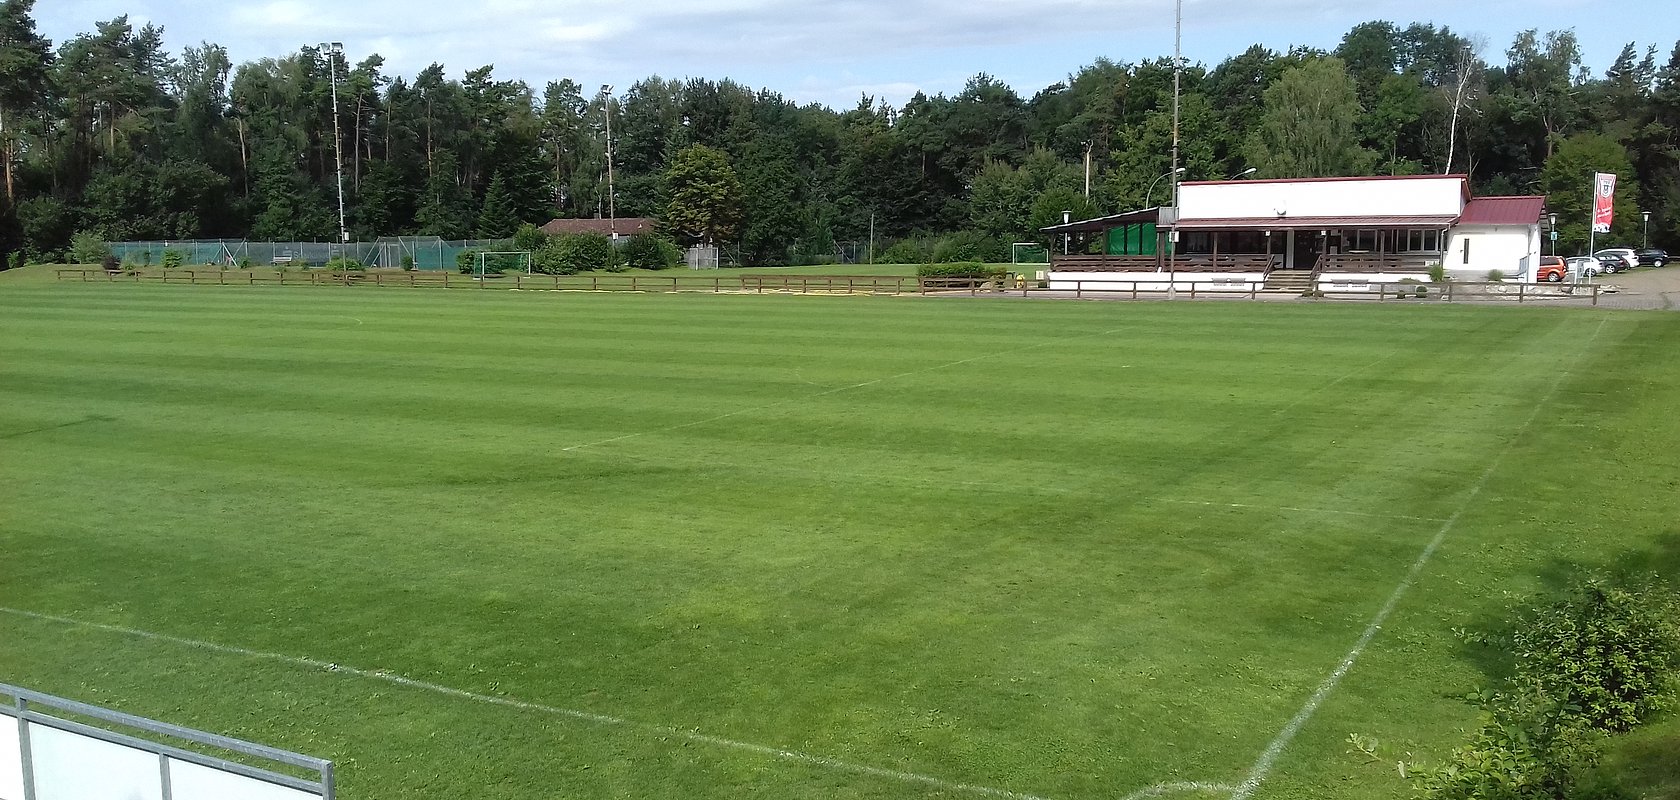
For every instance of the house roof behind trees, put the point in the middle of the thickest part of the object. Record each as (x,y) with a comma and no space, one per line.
(625,226)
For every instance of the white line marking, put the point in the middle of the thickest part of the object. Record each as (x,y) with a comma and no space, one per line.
(836,390)
(1175,788)
(1263,765)
(507,702)
(1303,510)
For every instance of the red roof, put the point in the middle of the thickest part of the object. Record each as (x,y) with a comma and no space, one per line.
(1287,223)
(625,226)
(1524,210)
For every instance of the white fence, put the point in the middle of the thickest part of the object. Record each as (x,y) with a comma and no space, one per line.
(57,749)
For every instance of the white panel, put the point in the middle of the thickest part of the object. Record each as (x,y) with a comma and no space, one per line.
(193,782)
(1425,196)
(69,766)
(11,760)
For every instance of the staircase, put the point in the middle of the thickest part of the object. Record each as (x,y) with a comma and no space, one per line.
(1288,281)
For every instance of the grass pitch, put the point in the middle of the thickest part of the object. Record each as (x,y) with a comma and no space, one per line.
(796,547)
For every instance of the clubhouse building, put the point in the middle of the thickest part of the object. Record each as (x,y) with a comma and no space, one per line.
(1333,234)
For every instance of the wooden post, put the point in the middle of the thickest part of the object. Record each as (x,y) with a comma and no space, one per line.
(1595,294)
(1078,289)
(633,283)
(1134,290)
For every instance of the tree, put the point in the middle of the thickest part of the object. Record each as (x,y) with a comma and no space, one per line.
(1310,125)
(24,61)
(496,218)
(1568,183)
(705,200)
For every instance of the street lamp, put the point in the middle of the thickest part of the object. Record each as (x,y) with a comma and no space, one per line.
(1245,173)
(1152,184)
(1552,219)
(334,50)
(1645,243)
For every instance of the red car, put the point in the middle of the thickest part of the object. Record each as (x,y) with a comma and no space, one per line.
(1552,270)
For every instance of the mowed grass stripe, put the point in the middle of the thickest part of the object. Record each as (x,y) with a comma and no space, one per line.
(1072,646)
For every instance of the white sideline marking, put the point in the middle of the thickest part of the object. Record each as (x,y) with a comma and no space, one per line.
(1263,765)
(586,716)
(836,390)
(1174,788)
(1303,510)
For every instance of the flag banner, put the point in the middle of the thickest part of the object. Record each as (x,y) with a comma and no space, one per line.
(1604,199)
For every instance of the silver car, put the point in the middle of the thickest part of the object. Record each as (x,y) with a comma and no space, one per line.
(1585,266)
(1617,259)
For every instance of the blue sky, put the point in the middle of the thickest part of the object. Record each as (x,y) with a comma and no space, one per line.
(831,52)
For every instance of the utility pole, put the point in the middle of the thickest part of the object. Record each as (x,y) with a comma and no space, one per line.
(334,50)
(612,202)
(1088,169)
(1178,68)
(872,238)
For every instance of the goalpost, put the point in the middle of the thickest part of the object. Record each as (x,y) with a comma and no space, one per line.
(1029,253)
(501,261)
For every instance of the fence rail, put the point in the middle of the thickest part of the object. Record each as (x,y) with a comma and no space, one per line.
(1157,286)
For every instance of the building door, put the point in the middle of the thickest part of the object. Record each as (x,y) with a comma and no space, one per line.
(1308,245)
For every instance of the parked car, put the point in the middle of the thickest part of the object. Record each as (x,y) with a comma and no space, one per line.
(1617,259)
(1552,270)
(1654,257)
(1586,266)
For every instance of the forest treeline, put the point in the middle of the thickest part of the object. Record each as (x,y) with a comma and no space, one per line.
(110,133)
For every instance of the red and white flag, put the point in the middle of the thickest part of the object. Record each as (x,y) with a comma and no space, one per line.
(1604,200)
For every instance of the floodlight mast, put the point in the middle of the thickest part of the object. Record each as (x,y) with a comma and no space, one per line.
(334,50)
(612,209)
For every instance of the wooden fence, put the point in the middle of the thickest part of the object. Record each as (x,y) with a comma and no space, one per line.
(1154,286)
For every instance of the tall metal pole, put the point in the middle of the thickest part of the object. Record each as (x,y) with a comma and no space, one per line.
(872,238)
(1088,146)
(612,204)
(334,50)
(1178,65)
(1178,68)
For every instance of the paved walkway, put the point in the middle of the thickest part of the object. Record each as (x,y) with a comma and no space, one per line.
(1646,288)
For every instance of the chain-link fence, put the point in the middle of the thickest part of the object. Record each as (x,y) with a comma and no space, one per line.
(416,252)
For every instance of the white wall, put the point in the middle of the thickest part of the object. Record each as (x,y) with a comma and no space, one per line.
(1429,196)
(1156,281)
(1511,249)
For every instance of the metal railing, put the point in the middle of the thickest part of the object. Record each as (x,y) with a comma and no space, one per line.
(30,710)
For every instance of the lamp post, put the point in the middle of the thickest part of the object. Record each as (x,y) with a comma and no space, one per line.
(1552,218)
(1645,238)
(1245,173)
(334,50)
(1149,195)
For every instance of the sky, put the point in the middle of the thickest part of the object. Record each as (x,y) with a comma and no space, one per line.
(831,51)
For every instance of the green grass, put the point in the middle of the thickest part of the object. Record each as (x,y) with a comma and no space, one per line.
(1063,549)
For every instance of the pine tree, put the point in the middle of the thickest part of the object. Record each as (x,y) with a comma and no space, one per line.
(497,219)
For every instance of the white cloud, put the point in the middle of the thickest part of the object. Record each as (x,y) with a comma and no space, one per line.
(820,51)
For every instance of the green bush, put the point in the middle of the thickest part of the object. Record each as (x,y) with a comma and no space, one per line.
(1610,652)
(88,247)
(669,251)
(173,259)
(970,246)
(1496,276)
(466,261)
(908,251)
(1599,661)
(1437,273)
(961,269)
(110,263)
(643,252)
(529,237)
(344,264)
(407,263)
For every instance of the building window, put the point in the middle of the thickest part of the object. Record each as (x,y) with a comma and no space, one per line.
(1418,240)
(1467,251)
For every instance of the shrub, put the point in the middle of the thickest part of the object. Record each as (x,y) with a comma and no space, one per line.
(1496,276)
(529,237)
(245,262)
(970,246)
(88,247)
(407,263)
(669,251)
(466,261)
(110,263)
(908,251)
(173,259)
(1437,273)
(643,252)
(961,269)
(586,252)
(1609,651)
(344,264)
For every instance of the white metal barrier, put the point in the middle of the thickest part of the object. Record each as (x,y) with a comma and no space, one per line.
(57,749)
